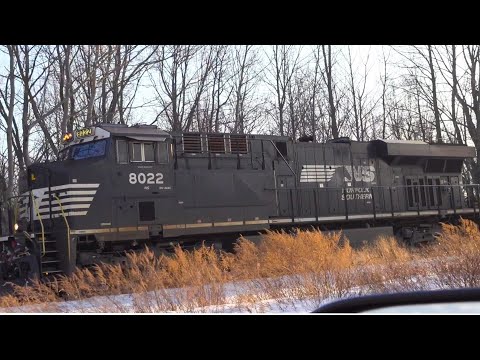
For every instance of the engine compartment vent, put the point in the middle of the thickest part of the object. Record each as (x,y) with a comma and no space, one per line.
(238,144)
(192,143)
(216,143)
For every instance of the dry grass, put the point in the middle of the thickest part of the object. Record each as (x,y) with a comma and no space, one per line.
(388,266)
(288,267)
(306,267)
(457,256)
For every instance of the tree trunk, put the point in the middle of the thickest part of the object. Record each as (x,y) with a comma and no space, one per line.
(354,96)
(92,82)
(11,79)
(438,129)
(327,57)
(422,128)
(458,134)
(25,126)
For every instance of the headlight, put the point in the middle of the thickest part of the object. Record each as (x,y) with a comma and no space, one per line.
(15,227)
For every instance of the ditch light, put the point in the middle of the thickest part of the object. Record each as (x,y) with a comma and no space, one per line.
(67,137)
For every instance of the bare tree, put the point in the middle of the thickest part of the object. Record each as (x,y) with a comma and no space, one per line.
(446,59)
(284,64)
(314,91)
(434,93)
(384,81)
(422,60)
(183,71)
(3,195)
(245,78)
(220,76)
(210,113)
(358,92)
(90,56)
(65,83)
(7,112)
(327,76)
(121,67)
(36,90)
(469,98)
(11,104)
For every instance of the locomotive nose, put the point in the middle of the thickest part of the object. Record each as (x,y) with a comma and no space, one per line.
(46,175)
(38,180)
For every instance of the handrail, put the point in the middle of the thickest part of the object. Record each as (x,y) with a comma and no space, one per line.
(66,223)
(41,223)
(286,162)
(385,194)
(448,186)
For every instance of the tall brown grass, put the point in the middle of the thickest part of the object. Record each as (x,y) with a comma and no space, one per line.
(284,270)
(289,267)
(387,266)
(457,256)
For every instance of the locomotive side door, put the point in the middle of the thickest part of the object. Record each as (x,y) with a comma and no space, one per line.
(456,193)
(286,189)
(433,192)
(286,195)
(416,194)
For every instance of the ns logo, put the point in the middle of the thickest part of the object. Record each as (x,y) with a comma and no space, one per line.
(365,173)
(324,173)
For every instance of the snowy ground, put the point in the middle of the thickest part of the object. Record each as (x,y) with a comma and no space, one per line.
(284,295)
(231,298)
(129,304)
(155,301)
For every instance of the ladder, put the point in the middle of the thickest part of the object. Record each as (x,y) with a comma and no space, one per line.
(50,258)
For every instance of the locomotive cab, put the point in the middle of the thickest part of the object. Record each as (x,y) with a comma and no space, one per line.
(103,180)
(142,176)
(133,172)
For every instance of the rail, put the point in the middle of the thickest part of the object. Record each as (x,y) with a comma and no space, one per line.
(377,202)
(37,212)
(283,158)
(66,223)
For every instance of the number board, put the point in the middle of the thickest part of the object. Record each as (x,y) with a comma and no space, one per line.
(84,132)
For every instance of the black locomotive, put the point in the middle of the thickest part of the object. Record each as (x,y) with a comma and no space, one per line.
(116,187)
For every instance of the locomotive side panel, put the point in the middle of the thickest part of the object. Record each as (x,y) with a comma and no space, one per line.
(340,177)
(222,189)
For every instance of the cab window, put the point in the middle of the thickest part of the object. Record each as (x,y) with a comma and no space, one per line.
(162,152)
(142,152)
(148,152)
(122,151)
(136,151)
(89,150)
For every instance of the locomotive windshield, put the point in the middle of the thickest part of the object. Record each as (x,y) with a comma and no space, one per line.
(84,151)
(89,150)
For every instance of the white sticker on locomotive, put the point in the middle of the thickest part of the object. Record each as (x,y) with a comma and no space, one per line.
(145,178)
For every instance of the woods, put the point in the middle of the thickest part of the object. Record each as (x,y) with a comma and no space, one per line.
(427,92)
